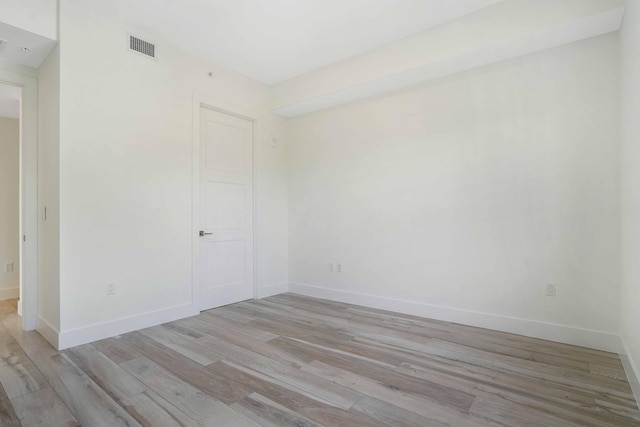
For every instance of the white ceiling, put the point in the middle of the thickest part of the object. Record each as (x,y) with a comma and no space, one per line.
(506,30)
(10,101)
(17,39)
(275,40)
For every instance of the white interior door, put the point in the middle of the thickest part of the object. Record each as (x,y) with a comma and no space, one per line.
(226,209)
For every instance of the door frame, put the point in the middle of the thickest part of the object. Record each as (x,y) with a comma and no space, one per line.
(28,195)
(199,102)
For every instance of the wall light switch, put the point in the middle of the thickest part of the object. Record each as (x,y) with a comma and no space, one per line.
(8,268)
(332,267)
(111,288)
(339,268)
(550,290)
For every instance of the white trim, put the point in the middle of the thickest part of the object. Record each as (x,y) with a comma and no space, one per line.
(49,333)
(200,101)
(195,202)
(98,331)
(630,368)
(28,190)
(273,289)
(9,293)
(600,340)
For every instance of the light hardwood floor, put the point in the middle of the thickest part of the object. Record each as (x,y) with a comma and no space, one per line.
(295,361)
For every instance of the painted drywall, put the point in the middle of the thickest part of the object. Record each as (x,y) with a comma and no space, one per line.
(49,193)
(273,203)
(35,16)
(276,40)
(9,206)
(126,176)
(630,193)
(505,30)
(469,195)
(10,101)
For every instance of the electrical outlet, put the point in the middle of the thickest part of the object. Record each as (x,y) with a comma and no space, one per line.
(339,268)
(550,290)
(332,267)
(8,268)
(111,288)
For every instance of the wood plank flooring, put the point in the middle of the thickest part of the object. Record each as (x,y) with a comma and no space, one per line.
(290,360)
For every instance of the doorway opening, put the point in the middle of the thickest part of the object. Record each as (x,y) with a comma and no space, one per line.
(10,200)
(25,266)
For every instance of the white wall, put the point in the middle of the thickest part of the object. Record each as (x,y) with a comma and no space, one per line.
(462,198)
(272,220)
(9,206)
(630,177)
(49,193)
(126,174)
(36,16)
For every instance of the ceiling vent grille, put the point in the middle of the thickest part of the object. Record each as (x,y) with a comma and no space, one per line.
(142,47)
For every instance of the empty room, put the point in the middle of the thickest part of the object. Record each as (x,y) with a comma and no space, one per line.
(320,213)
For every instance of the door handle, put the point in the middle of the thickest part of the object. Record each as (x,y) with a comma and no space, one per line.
(202,233)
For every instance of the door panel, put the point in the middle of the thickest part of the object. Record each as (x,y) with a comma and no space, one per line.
(225,205)
(226,149)
(226,263)
(226,209)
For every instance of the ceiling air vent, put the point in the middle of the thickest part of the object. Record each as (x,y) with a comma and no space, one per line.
(142,47)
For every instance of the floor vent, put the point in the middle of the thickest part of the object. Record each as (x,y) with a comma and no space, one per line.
(142,47)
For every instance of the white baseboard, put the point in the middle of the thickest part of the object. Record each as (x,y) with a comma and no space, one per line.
(630,368)
(9,293)
(275,289)
(74,337)
(49,333)
(599,340)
